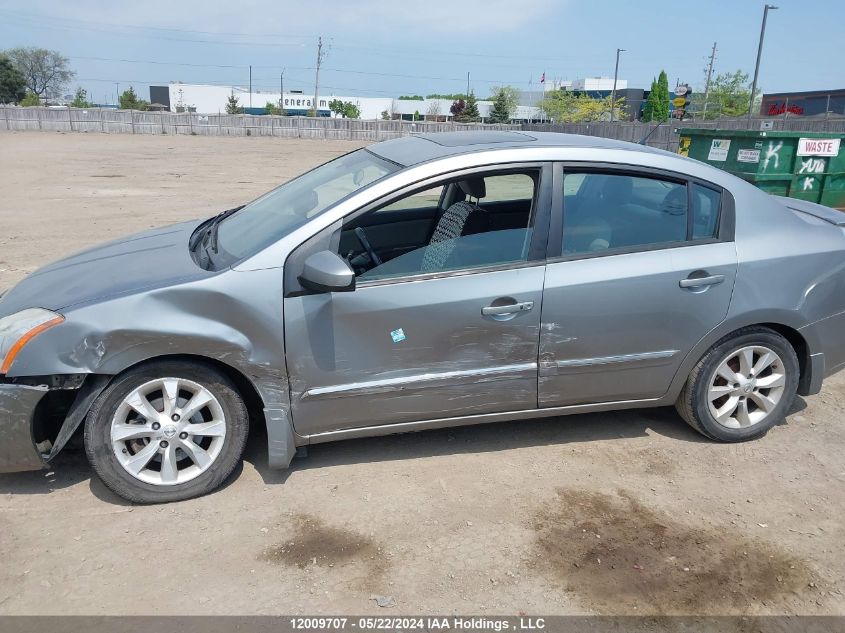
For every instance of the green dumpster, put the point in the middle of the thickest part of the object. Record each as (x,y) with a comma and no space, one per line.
(805,165)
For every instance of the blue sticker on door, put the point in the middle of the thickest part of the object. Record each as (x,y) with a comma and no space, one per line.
(398,335)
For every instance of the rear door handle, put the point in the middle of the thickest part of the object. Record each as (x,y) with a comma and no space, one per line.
(701,282)
(510,308)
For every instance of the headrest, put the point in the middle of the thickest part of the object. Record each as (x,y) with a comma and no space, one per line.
(617,189)
(675,202)
(473,187)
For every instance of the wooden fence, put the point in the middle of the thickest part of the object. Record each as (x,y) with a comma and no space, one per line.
(133,122)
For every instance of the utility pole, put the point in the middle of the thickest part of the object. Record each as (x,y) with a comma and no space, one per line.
(467,84)
(320,58)
(282,91)
(707,81)
(759,54)
(250,86)
(615,76)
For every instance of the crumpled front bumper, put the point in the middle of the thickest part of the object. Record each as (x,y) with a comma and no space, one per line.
(17,447)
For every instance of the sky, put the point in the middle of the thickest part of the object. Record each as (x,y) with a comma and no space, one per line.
(389,48)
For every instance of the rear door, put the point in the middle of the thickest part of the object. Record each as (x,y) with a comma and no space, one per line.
(644,266)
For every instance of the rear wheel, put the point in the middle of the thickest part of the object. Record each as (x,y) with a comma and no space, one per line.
(166,431)
(742,387)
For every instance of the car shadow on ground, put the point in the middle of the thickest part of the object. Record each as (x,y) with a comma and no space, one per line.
(486,438)
(71,467)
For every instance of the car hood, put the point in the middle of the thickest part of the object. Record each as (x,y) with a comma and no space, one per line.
(152,259)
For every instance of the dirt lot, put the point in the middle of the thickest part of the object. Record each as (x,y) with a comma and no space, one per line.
(607,513)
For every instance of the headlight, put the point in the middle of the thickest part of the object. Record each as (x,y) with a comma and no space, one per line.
(16,330)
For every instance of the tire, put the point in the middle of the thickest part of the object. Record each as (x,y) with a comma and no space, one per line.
(764,407)
(169,457)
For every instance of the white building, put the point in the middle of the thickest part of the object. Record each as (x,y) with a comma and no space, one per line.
(599,83)
(208,99)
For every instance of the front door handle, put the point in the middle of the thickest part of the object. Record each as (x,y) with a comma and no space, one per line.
(510,308)
(701,282)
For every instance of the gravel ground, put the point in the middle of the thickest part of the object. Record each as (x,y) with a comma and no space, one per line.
(628,512)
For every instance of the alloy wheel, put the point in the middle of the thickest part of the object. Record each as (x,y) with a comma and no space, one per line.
(168,431)
(746,387)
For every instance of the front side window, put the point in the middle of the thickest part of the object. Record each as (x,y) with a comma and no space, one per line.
(273,215)
(472,222)
(604,211)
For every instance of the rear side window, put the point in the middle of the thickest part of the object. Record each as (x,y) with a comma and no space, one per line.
(619,211)
(509,187)
(706,205)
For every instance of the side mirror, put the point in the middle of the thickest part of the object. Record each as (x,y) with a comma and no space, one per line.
(326,271)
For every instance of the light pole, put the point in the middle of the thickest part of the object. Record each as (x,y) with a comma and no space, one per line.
(759,54)
(615,76)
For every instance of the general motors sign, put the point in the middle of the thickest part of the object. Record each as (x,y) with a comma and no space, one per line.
(818,146)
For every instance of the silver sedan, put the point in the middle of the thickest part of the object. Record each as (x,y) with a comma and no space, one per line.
(419,283)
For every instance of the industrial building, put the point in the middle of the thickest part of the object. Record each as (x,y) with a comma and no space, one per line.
(210,99)
(803,103)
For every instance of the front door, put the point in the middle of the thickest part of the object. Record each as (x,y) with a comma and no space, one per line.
(647,268)
(440,328)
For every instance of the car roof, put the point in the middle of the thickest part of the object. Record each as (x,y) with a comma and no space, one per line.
(420,148)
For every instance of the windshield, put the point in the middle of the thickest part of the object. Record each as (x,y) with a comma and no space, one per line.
(277,213)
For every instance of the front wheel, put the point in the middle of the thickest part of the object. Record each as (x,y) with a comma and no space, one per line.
(742,387)
(166,431)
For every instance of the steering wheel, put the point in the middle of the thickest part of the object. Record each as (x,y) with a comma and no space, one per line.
(362,237)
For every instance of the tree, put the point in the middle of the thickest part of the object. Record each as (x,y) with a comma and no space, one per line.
(336,107)
(432,113)
(30,99)
(271,108)
(650,103)
(129,100)
(410,98)
(45,72)
(588,109)
(345,109)
(662,111)
(80,99)
(12,83)
(453,97)
(510,97)
(558,105)
(563,106)
(729,96)
(233,106)
(470,113)
(351,110)
(457,109)
(499,112)
(385,115)
(657,104)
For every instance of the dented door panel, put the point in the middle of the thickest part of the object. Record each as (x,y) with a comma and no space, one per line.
(413,350)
